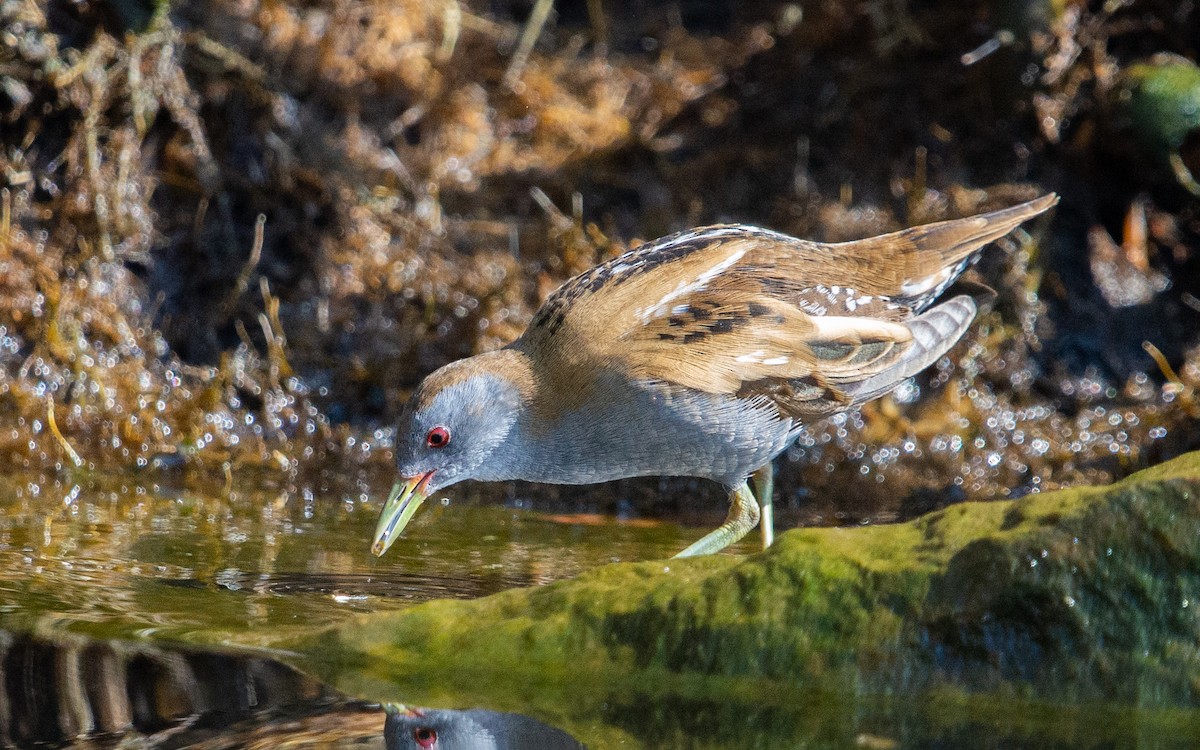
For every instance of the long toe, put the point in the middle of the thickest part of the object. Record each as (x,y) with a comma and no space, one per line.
(743,515)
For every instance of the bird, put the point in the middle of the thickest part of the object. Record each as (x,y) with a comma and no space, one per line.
(700,354)
(409,728)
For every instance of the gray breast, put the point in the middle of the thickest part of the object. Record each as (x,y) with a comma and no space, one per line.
(644,429)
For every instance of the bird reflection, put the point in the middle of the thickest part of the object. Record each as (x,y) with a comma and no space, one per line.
(409,728)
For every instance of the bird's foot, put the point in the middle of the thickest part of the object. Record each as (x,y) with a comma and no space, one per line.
(743,514)
(764,490)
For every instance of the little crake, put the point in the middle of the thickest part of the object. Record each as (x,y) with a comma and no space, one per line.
(700,354)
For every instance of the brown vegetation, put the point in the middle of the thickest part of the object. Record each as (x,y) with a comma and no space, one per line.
(424,178)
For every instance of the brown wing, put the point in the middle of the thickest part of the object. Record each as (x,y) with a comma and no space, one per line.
(740,310)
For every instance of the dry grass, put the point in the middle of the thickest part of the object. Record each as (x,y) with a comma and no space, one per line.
(422,186)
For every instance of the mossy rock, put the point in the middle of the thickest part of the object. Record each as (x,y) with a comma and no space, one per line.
(1083,595)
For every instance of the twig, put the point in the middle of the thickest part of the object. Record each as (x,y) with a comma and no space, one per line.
(5,220)
(599,22)
(1161,360)
(1183,174)
(243,280)
(62,440)
(91,133)
(272,327)
(451,27)
(232,61)
(529,37)
(557,217)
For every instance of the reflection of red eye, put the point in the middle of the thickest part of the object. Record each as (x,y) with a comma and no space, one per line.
(425,736)
(438,437)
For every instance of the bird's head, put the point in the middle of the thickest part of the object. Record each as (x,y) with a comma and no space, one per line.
(411,728)
(449,431)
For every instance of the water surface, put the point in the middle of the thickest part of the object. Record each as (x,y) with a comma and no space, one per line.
(148,557)
(139,566)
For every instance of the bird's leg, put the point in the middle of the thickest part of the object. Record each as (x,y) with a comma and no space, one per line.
(764,489)
(743,514)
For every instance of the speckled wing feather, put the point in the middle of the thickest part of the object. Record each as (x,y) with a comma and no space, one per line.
(740,310)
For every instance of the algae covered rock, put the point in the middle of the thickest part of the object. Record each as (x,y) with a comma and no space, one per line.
(1084,594)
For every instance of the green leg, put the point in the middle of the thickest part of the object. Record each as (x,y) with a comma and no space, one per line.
(764,490)
(743,514)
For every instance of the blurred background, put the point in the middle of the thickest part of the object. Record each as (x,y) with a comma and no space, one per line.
(235,234)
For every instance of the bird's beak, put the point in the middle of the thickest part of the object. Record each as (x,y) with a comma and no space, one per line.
(404,499)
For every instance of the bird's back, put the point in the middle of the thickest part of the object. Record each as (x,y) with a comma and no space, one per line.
(743,311)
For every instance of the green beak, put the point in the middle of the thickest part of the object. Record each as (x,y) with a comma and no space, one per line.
(402,503)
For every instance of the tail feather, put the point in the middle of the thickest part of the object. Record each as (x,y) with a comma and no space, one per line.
(934,333)
(954,240)
(922,262)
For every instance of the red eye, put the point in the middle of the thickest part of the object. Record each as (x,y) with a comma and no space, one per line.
(438,437)
(425,736)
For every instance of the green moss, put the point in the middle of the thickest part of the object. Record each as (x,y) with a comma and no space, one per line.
(1084,594)
(1159,102)
(1161,98)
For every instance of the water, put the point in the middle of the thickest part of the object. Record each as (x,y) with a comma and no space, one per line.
(130,557)
(104,581)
